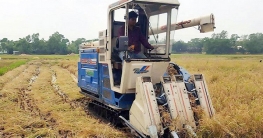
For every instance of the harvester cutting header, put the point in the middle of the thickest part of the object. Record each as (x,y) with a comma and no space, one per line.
(129,70)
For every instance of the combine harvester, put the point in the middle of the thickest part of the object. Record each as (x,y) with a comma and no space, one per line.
(152,96)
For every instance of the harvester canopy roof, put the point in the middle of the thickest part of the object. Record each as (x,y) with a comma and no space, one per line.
(171,2)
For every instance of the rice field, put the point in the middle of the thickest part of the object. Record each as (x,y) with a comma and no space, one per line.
(40,98)
(7,65)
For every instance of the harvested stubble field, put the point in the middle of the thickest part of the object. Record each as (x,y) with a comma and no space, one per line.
(41,98)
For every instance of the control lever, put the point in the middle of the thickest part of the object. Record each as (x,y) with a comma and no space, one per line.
(149,53)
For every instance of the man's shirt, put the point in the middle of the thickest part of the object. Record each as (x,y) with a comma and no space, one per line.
(135,38)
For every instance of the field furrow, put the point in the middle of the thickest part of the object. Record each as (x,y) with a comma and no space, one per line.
(67,83)
(25,101)
(15,108)
(61,93)
(68,120)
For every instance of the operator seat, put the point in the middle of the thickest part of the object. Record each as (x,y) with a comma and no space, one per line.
(115,53)
(117,64)
(115,41)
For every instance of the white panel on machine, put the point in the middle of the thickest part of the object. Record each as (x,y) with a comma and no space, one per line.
(102,46)
(203,94)
(133,70)
(139,70)
(173,100)
(184,100)
(144,113)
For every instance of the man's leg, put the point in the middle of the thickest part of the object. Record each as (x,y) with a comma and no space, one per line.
(121,54)
(139,55)
(118,73)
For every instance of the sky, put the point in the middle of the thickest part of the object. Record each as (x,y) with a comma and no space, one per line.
(85,18)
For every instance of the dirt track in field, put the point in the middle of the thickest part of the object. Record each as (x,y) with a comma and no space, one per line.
(42,100)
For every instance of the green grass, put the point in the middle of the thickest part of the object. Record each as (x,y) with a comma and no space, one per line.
(11,66)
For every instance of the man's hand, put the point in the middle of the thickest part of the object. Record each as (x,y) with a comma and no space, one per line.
(131,48)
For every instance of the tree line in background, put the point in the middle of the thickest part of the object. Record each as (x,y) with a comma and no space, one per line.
(221,43)
(218,43)
(32,44)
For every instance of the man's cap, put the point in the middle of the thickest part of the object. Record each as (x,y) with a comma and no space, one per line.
(132,14)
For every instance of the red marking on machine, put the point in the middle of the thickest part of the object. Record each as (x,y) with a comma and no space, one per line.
(206,99)
(88,61)
(184,22)
(184,104)
(122,1)
(144,69)
(150,103)
(163,27)
(147,67)
(174,99)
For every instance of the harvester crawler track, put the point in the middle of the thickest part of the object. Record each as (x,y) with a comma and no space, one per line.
(117,118)
(108,114)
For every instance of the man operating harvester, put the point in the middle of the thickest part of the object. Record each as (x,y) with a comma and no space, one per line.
(135,37)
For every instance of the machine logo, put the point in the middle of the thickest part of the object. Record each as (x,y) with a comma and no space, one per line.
(144,69)
(88,61)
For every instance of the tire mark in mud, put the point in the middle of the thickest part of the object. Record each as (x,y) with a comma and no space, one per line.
(81,102)
(22,92)
(28,104)
(47,116)
(84,102)
(21,89)
(73,103)
(35,75)
(25,101)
